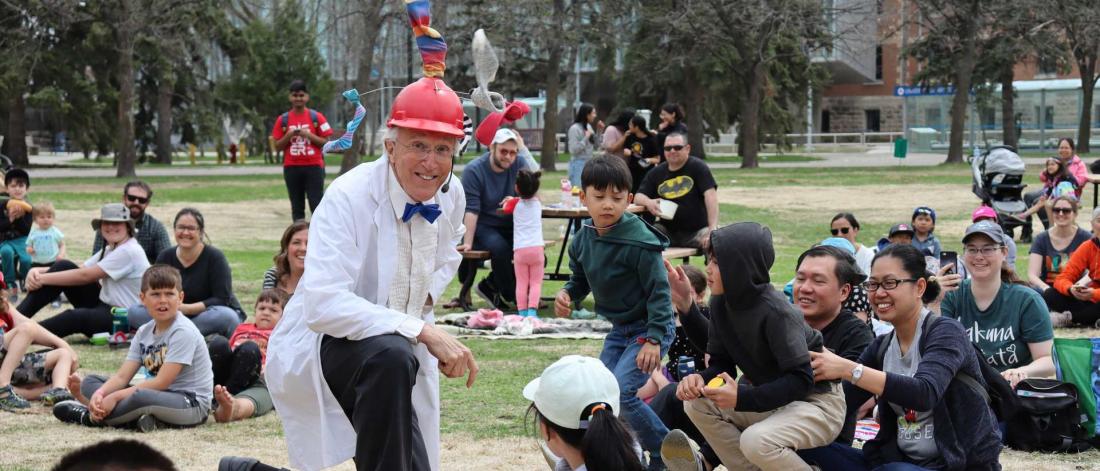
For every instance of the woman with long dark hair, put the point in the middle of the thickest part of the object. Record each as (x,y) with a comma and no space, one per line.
(615,134)
(582,140)
(290,262)
(928,420)
(672,121)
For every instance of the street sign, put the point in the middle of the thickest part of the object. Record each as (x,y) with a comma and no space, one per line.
(917,90)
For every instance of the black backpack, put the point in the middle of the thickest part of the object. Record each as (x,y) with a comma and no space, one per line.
(1049,418)
(997,391)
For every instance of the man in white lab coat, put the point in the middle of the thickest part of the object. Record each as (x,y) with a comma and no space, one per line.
(354,366)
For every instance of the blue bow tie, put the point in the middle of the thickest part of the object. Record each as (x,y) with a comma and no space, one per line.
(428,211)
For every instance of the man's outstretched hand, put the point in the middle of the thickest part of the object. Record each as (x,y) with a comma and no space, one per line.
(455,359)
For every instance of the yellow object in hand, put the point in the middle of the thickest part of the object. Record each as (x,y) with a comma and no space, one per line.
(19,203)
(717,382)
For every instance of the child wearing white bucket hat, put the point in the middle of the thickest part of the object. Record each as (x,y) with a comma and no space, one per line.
(576,404)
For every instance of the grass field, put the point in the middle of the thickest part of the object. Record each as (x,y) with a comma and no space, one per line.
(483,428)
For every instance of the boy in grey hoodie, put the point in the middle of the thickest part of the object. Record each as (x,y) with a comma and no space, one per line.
(617,257)
(775,408)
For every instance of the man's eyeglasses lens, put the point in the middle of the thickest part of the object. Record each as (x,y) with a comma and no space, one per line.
(137,199)
(442,153)
(674,148)
(843,230)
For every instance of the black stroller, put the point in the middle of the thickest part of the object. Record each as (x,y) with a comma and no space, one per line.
(998,182)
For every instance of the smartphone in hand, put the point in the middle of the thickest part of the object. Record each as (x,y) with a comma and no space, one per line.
(949,257)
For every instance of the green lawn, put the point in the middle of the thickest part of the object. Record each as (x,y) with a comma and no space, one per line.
(250,212)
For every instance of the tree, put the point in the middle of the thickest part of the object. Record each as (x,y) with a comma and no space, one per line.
(1080,22)
(950,49)
(372,18)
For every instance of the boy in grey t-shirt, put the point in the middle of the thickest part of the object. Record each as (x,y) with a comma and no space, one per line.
(180,379)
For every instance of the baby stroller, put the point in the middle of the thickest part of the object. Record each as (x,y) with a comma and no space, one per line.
(998,182)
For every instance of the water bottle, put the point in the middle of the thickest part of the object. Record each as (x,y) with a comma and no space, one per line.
(685,366)
(566,193)
(119,323)
(577,198)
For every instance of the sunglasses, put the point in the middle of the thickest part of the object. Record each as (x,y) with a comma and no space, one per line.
(843,230)
(1062,210)
(136,199)
(676,148)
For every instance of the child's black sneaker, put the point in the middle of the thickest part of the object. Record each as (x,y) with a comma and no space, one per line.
(73,412)
(11,401)
(55,395)
(147,423)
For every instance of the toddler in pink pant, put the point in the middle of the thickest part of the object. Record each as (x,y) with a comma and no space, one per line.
(526,211)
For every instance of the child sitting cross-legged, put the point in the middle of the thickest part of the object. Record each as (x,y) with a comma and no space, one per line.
(42,374)
(238,362)
(180,380)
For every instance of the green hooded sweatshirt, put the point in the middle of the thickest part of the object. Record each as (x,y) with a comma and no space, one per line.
(625,272)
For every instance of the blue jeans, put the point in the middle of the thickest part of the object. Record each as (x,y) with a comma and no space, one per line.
(620,353)
(498,241)
(840,457)
(12,252)
(219,320)
(575,167)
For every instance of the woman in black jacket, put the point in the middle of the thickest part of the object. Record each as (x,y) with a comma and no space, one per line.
(931,415)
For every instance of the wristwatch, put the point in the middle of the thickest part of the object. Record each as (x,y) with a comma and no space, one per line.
(857,373)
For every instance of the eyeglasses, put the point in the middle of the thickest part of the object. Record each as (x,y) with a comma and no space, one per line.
(187,229)
(1062,210)
(674,148)
(872,286)
(136,199)
(421,150)
(843,230)
(985,251)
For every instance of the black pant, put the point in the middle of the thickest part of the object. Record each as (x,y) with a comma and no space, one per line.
(671,411)
(1084,312)
(373,380)
(1030,199)
(303,181)
(234,369)
(88,316)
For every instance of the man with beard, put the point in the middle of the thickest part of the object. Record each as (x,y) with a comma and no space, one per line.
(150,232)
(487,181)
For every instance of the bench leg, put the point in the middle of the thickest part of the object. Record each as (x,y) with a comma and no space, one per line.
(467,284)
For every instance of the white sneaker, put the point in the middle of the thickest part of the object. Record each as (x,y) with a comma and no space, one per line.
(680,453)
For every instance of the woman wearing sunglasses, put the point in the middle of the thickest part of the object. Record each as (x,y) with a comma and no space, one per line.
(928,421)
(1052,248)
(1003,316)
(1071,300)
(845,225)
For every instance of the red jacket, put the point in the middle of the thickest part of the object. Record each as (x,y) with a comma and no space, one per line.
(1086,257)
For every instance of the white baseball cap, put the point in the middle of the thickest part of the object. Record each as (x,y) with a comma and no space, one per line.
(569,387)
(504,135)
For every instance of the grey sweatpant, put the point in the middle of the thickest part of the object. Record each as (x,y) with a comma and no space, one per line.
(171,407)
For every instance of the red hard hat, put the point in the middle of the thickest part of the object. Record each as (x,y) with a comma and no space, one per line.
(430,105)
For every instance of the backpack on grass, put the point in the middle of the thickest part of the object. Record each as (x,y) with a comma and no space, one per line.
(1049,418)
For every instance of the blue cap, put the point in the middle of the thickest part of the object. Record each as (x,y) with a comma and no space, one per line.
(926,211)
(840,243)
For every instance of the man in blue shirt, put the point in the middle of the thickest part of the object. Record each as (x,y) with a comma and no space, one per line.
(487,181)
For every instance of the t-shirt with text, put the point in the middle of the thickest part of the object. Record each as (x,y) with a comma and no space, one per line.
(1016,317)
(301,151)
(180,343)
(685,187)
(916,429)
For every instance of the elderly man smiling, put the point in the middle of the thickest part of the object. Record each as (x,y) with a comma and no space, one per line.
(354,366)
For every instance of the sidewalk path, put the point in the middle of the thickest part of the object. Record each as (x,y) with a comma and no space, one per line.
(875,157)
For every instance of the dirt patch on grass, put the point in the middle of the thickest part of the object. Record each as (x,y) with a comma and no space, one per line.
(871,203)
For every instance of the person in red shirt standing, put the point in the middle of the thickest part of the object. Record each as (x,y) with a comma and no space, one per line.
(299,134)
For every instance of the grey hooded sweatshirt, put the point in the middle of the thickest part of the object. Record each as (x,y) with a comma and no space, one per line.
(753,326)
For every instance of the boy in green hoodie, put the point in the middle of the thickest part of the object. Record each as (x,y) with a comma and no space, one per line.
(617,257)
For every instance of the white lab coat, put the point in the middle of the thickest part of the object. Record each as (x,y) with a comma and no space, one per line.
(343,293)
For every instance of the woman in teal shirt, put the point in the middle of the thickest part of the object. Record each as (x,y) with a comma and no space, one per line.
(1008,320)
